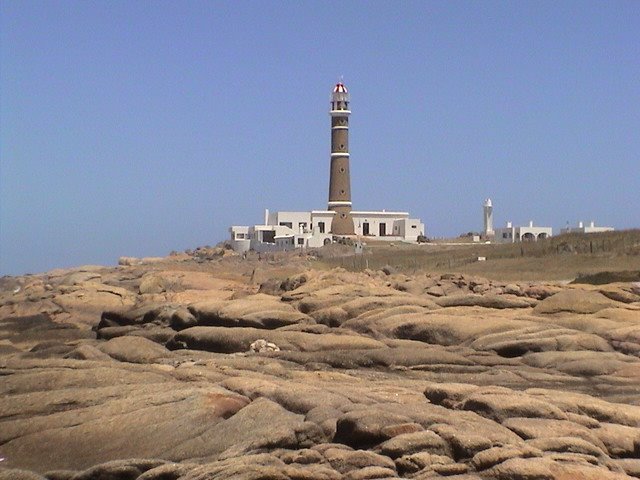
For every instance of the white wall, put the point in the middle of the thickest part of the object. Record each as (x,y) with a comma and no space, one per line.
(295,219)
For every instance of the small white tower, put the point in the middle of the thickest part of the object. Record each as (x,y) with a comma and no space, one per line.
(488,218)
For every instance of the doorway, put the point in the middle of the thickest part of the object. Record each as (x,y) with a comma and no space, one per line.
(383,229)
(365,228)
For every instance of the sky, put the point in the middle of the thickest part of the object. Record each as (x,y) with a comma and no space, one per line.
(138,128)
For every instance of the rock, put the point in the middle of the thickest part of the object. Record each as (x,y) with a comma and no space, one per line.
(522,469)
(448,395)
(500,406)
(362,305)
(531,428)
(118,470)
(345,461)
(130,316)
(540,292)
(135,350)
(261,346)
(17,474)
(79,277)
(598,409)
(486,301)
(182,318)
(129,261)
(229,340)
(582,363)
(167,471)
(620,294)
(28,331)
(619,440)
(574,301)
(630,466)
(464,444)
(435,291)
(151,284)
(257,311)
(260,424)
(357,351)
(512,289)
(450,469)
(365,428)
(493,456)
(566,444)
(88,352)
(60,474)
(409,443)
(410,464)
(330,316)
(539,339)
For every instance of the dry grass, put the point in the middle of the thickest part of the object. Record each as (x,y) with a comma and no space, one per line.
(564,257)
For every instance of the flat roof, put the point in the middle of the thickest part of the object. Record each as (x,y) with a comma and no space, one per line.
(381,212)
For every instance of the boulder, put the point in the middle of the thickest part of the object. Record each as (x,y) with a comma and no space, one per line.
(574,301)
(539,338)
(500,406)
(522,469)
(409,443)
(230,340)
(566,444)
(119,470)
(411,464)
(366,428)
(619,440)
(493,456)
(345,461)
(135,349)
(581,363)
(486,301)
(256,311)
(531,428)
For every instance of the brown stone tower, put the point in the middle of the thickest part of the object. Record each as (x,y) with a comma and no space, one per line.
(339,181)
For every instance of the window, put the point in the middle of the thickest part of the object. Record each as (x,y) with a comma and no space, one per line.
(268,236)
(240,236)
(301,241)
(414,226)
(505,235)
(321,226)
(286,224)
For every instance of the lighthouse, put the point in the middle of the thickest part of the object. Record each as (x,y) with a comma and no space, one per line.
(487,210)
(339,179)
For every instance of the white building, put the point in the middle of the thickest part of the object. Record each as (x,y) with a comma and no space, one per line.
(581,228)
(283,231)
(487,210)
(290,230)
(511,234)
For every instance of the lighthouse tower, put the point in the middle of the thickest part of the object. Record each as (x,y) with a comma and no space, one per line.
(339,180)
(487,209)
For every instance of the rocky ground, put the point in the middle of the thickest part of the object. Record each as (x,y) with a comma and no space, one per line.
(176,369)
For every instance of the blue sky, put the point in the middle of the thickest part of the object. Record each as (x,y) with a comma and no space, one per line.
(137,128)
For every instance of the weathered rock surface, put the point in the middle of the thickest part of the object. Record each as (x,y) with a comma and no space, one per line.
(152,371)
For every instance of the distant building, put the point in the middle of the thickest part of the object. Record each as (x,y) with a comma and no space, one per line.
(487,210)
(581,228)
(291,230)
(511,234)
